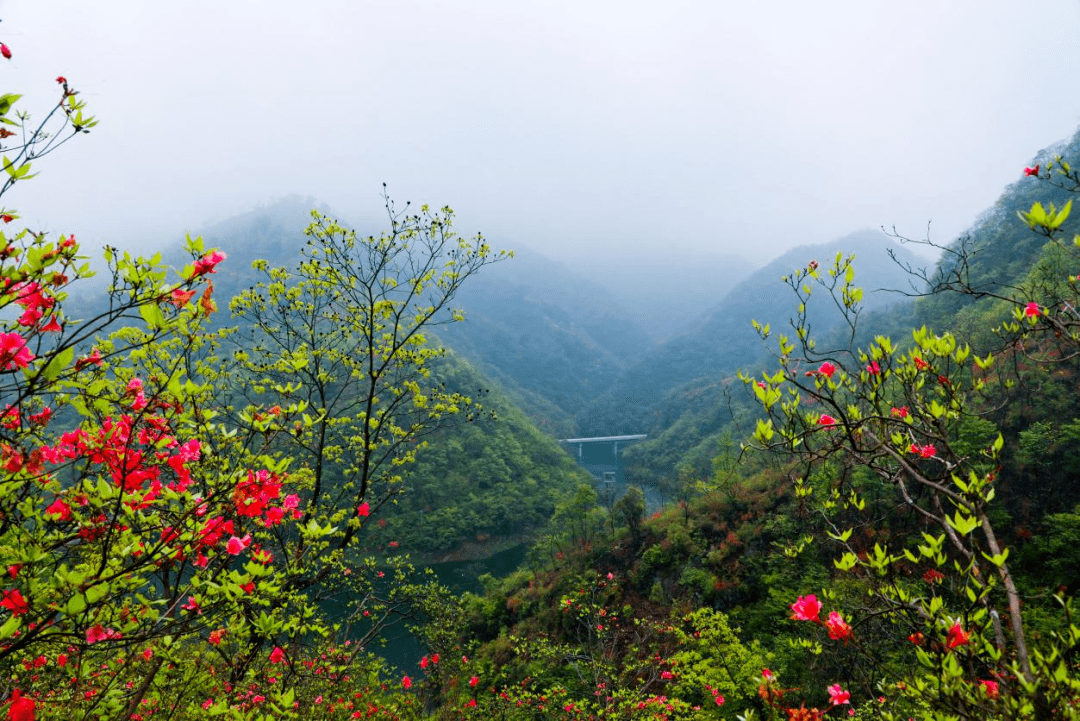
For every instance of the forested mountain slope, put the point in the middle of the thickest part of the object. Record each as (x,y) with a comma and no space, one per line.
(553,338)
(726,340)
(494,478)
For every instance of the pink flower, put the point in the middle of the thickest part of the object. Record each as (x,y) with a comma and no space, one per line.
(148,653)
(873,369)
(364,510)
(806,608)
(236,546)
(474,680)
(767,673)
(957,637)
(826,420)
(277,655)
(1032,171)
(406,682)
(424,662)
(291,501)
(667,675)
(191,605)
(1032,309)
(719,700)
(838,696)
(207,263)
(827,369)
(13,350)
(838,628)
(991,688)
(901,412)
(97,633)
(5,51)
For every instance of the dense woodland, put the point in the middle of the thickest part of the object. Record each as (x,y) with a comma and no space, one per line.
(222,481)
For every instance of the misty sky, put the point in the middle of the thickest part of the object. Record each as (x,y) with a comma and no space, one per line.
(745,127)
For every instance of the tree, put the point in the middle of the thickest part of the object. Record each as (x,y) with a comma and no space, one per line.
(345,335)
(853,421)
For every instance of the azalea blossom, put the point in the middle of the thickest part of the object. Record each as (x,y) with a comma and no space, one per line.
(927,451)
(873,369)
(21,708)
(838,628)
(180,298)
(1032,309)
(5,51)
(60,509)
(207,263)
(991,688)
(277,655)
(826,420)
(827,369)
(474,680)
(838,696)
(13,601)
(806,608)
(364,510)
(901,412)
(406,682)
(957,637)
(98,633)
(13,351)
(235,546)
(1031,171)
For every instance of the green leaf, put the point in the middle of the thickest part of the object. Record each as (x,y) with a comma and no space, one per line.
(153,316)
(57,364)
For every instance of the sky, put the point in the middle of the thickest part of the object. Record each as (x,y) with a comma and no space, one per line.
(571,127)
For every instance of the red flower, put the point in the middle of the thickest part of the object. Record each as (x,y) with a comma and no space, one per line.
(13,601)
(13,350)
(364,510)
(206,263)
(474,680)
(406,682)
(927,451)
(60,79)
(277,655)
(21,708)
(1032,171)
(827,369)
(920,363)
(991,688)
(873,369)
(901,412)
(424,662)
(5,51)
(839,630)
(59,508)
(1032,309)
(806,608)
(838,696)
(180,298)
(826,420)
(7,218)
(957,637)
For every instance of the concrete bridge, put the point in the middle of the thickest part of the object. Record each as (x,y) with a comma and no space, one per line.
(600,455)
